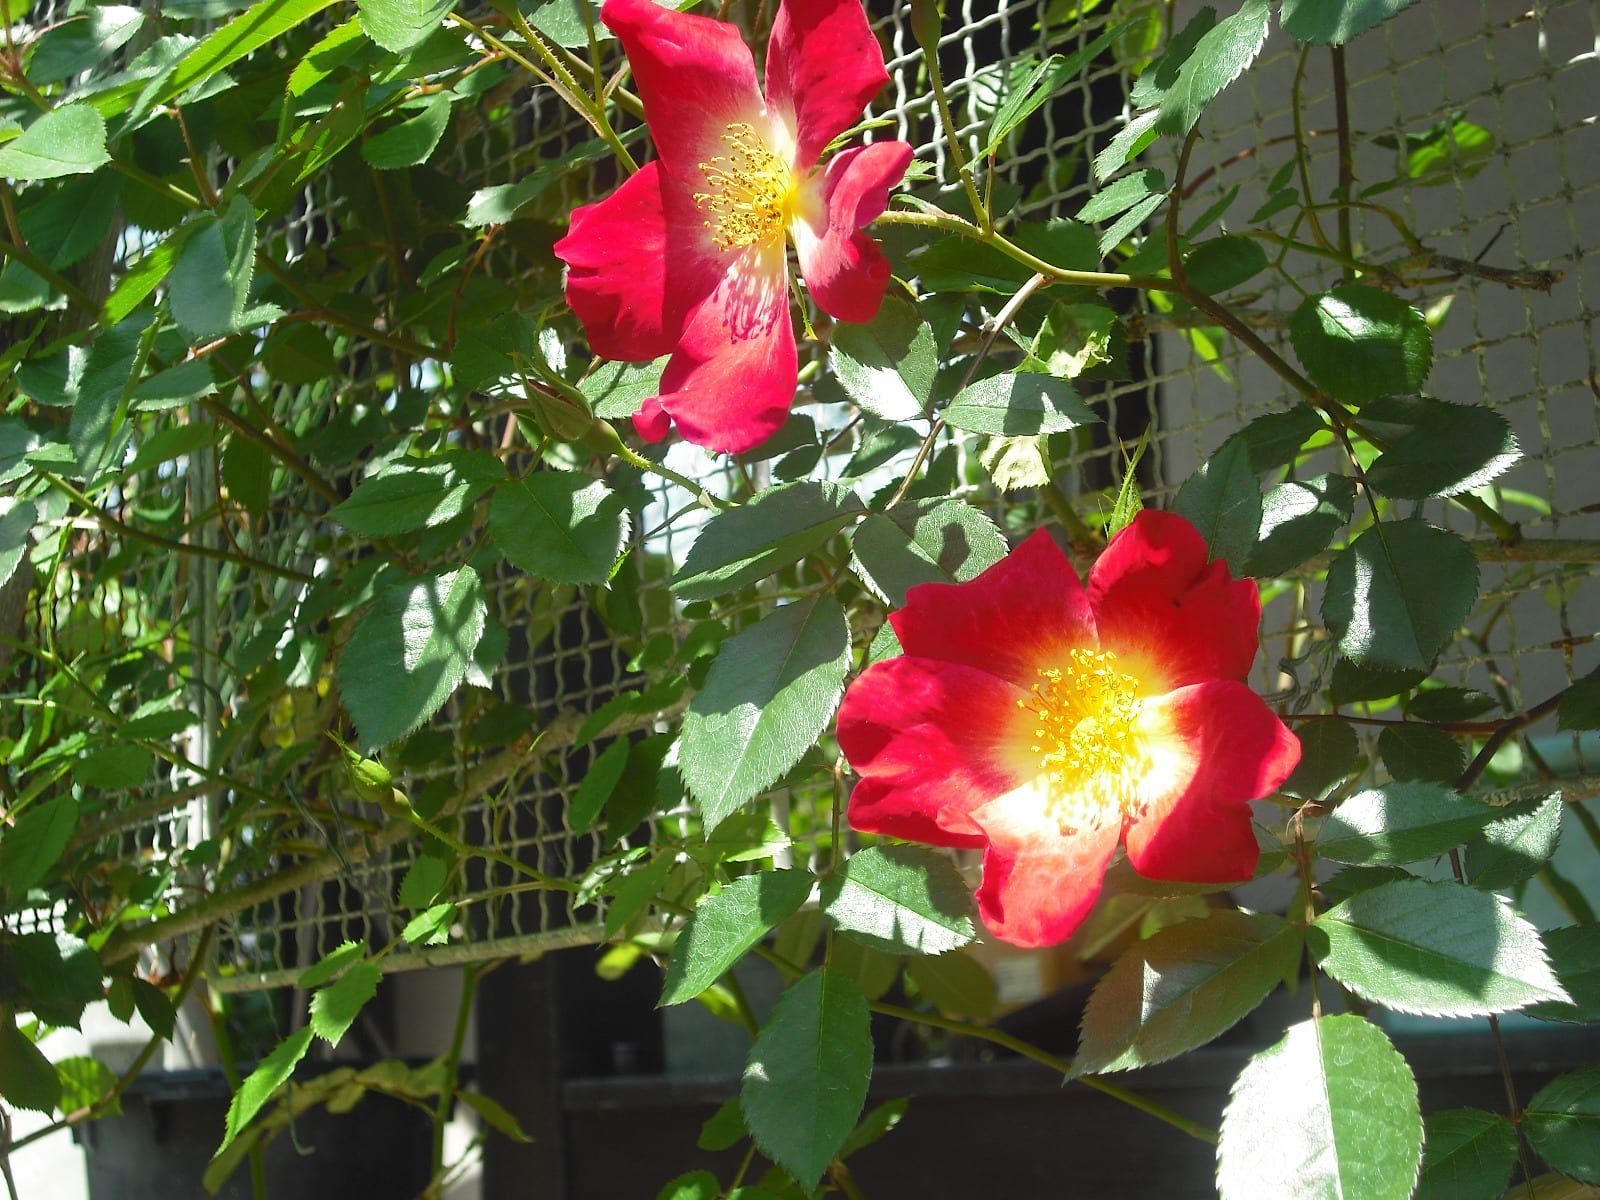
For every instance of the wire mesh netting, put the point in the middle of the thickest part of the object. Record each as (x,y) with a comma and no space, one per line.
(502,761)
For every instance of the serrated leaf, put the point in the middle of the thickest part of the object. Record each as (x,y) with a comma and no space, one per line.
(599,781)
(335,1008)
(1436,949)
(1223,501)
(77,45)
(85,1081)
(209,286)
(724,1128)
(1334,22)
(886,365)
(409,652)
(1413,751)
(1276,439)
(331,964)
(398,25)
(1118,197)
(243,35)
(561,526)
(409,497)
(617,389)
(1580,704)
(1328,751)
(1468,1155)
(944,541)
(1331,1110)
(1360,343)
(770,693)
(155,1008)
(726,925)
(259,1086)
(806,1079)
(635,892)
(696,1185)
(1018,404)
(1220,57)
(494,1115)
(1224,262)
(957,984)
(1045,81)
(1435,448)
(1449,704)
(1513,847)
(1398,593)
(70,140)
(1562,1122)
(900,899)
(422,881)
(59,973)
(778,527)
(1575,955)
(1399,823)
(1182,987)
(34,843)
(27,1078)
(413,141)
(431,926)
(1298,520)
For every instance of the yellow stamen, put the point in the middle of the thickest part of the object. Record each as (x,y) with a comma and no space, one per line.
(751,191)
(1086,711)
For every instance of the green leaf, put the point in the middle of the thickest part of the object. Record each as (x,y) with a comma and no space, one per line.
(696,1185)
(1563,1124)
(422,881)
(1398,593)
(74,220)
(1298,520)
(1334,22)
(635,892)
(70,140)
(1223,501)
(210,284)
(1224,262)
(724,1128)
(1015,463)
(101,390)
(1436,949)
(874,970)
(1351,682)
(875,1124)
(1125,193)
(1046,80)
(261,1083)
(564,22)
(1073,338)
(494,1115)
(17,518)
(82,42)
(34,843)
(1276,439)
(806,1080)
(1182,987)
(1400,823)
(942,541)
(27,1080)
(887,364)
(561,526)
(155,1008)
(1018,404)
(335,1008)
(1580,704)
(1513,847)
(769,695)
(430,927)
(900,899)
(408,497)
(331,964)
(957,984)
(412,142)
(780,526)
(408,653)
(1575,953)
(60,974)
(1468,1155)
(1413,751)
(499,204)
(1360,343)
(244,35)
(115,766)
(1220,57)
(1331,1110)
(399,25)
(599,781)
(726,925)
(335,48)
(1435,448)
(618,389)
(86,1081)
(1328,752)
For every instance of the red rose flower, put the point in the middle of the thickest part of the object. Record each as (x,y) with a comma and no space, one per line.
(689,256)
(1043,724)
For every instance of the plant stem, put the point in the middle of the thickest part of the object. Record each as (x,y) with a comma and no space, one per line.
(452,1064)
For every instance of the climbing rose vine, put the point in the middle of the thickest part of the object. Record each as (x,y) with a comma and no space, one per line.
(1043,722)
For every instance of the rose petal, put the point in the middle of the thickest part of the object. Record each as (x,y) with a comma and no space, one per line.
(1018,616)
(1178,619)
(730,382)
(844,268)
(931,743)
(651,421)
(1038,884)
(695,76)
(633,272)
(1234,750)
(823,66)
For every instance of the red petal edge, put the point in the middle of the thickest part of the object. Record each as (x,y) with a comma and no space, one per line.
(823,66)
(844,268)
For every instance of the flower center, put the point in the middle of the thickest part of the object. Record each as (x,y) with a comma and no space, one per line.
(1086,710)
(750,191)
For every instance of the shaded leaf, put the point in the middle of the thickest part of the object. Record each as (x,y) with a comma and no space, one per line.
(1333,22)
(259,1086)
(726,925)
(1575,954)
(1469,1155)
(1223,501)
(1513,847)
(1435,448)
(1360,343)
(70,140)
(1562,1122)
(782,524)
(886,365)
(1298,520)
(1018,403)
(943,541)
(1398,593)
(560,526)
(1399,823)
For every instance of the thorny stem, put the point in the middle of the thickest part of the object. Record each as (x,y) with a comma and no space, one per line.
(928,40)
(1347,166)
